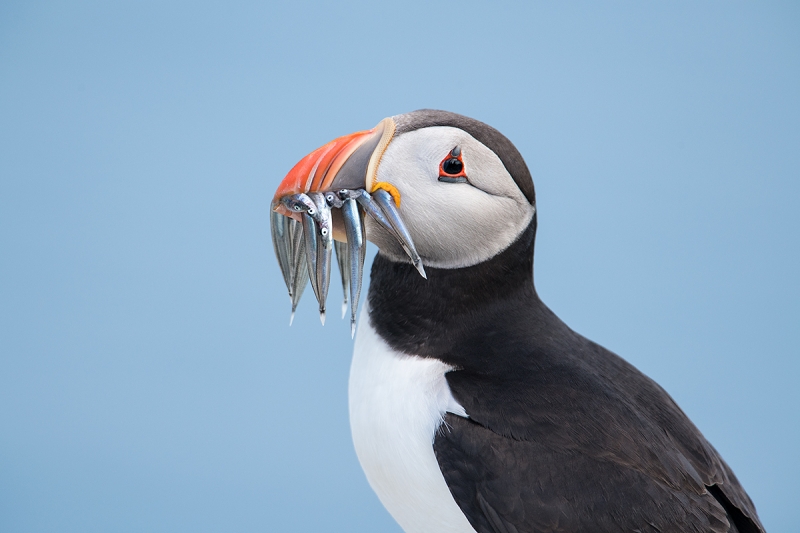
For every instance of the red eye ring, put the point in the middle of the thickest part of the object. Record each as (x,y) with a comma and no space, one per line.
(451,168)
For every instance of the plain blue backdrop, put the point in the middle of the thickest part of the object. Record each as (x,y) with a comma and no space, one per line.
(148,377)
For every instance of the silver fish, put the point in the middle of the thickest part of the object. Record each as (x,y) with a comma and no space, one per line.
(324,224)
(377,213)
(311,243)
(304,249)
(281,242)
(296,236)
(356,246)
(387,205)
(324,256)
(299,265)
(371,208)
(343,259)
(333,199)
(316,205)
(299,203)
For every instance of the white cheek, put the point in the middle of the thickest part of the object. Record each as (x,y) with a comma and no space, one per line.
(454,224)
(461,225)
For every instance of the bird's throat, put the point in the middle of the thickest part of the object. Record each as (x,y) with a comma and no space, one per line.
(453,305)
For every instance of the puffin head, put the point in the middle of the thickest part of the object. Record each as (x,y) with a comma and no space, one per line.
(461,187)
(458,188)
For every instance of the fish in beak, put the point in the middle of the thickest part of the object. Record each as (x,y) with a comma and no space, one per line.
(319,208)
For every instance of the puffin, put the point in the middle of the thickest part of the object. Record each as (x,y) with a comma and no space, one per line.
(473,407)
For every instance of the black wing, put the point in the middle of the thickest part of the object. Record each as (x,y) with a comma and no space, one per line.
(586,445)
(562,434)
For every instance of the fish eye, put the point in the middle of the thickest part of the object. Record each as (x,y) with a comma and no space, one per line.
(310,211)
(297,208)
(324,231)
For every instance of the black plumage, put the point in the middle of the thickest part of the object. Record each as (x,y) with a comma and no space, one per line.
(562,435)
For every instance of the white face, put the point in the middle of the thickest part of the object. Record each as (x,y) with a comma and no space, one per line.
(453,225)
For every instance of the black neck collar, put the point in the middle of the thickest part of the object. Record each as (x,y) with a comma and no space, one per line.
(454,309)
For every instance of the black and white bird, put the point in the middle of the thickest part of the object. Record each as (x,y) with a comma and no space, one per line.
(473,407)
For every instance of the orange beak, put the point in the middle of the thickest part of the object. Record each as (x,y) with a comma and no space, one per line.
(349,162)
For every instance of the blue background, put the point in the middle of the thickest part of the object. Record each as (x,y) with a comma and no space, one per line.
(148,377)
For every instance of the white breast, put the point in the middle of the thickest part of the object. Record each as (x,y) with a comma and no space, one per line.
(397,402)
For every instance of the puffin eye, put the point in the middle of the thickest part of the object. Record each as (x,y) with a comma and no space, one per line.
(451,169)
(452,166)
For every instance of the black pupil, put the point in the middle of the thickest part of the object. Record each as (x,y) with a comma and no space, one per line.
(452,166)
